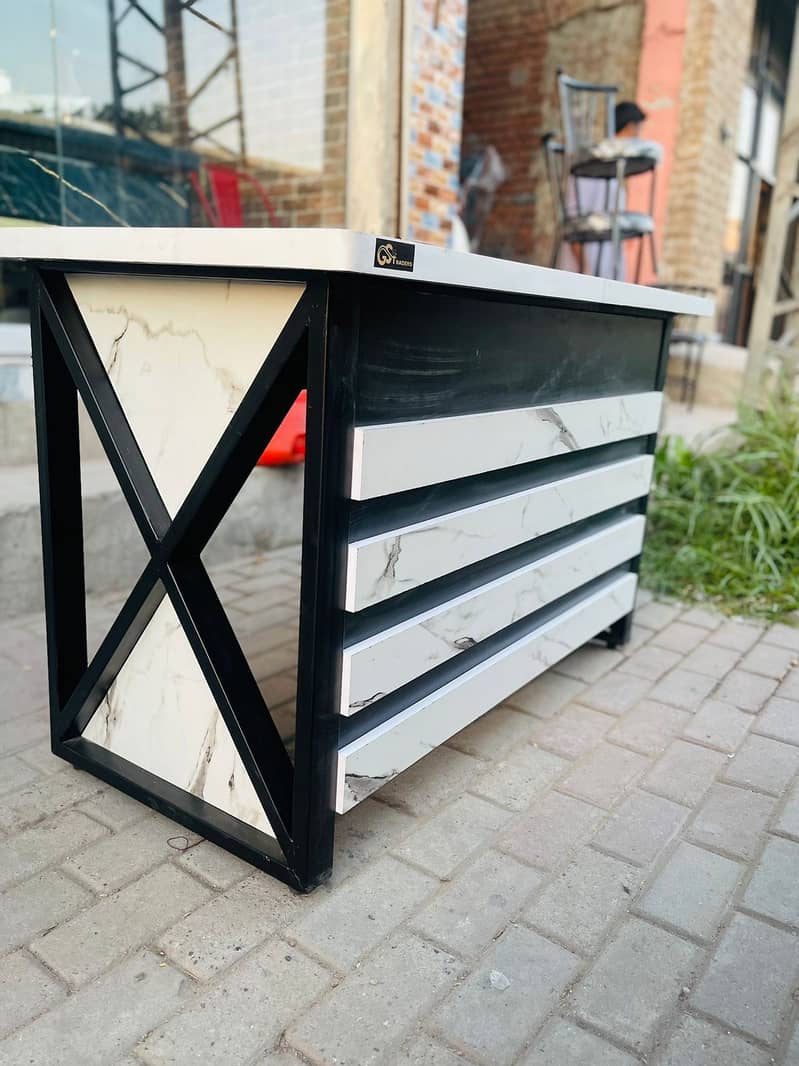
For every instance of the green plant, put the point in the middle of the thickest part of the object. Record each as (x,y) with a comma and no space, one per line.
(724,518)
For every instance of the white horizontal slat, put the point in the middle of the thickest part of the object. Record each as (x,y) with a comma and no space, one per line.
(385,565)
(374,667)
(378,756)
(406,455)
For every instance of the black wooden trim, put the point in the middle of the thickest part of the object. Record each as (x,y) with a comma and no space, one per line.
(225,669)
(58,446)
(241,839)
(331,360)
(380,616)
(104,409)
(112,654)
(357,725)
(383,514)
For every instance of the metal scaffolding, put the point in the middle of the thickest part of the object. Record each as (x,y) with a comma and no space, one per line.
(185,133)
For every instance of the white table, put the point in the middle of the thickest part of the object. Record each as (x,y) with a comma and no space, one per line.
(479,451)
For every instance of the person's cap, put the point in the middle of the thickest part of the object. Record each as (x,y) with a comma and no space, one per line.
(627,112)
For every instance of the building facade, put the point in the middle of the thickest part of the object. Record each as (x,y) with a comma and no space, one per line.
(368,113)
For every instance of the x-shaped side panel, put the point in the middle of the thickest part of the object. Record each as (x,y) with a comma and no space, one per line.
(175,567)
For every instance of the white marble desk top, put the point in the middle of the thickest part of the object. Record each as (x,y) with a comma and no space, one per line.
(327,250)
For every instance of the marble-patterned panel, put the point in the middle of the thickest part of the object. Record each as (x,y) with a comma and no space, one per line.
(160,715)
(382,663)
(384,565)
(375,758)
(405,455)
(181,353)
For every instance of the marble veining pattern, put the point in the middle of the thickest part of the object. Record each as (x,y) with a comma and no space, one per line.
(380,664)
(405,455)
(181,354)
(382,566)
(373,759)
(160,714)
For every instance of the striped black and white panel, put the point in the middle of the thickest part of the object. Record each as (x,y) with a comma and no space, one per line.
(488,537)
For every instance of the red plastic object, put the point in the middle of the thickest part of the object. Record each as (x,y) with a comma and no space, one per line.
(288,444)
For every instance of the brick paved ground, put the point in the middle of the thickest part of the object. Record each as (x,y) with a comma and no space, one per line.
(604,871)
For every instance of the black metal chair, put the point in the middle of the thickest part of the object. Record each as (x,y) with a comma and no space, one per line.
(591,151)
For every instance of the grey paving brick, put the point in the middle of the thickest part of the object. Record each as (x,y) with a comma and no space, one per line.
(384,998)
(224,929)
(779,720)
(711,660)
(783,636)
(683,688)
(696,1042)
(745,690)
(750,978)
(699,616)
(719,725)
(26,853)
(792,1050)
(769,660)
(616,693)
(452,835)
(572,732)
(650,662)
(635,983)
(692,891)
(764,764)
(579,905)
(46,797)
(137,995)
(495,1019)
(545,696)
(93,940)
(641,827)
(26,989)
(365,832)
(589,663)
(491,736)
(516,781)
(279,1058)
(680,636)
(441,775)
(23,731)
(467,913)
(684,772)
(738,635)
(38,904)
(216,867)
(267,991)
(114,861)
(657,615)
(772,890)
(561,1042)
(639,635)
(732,820)
(787,821)
(605,774)
(649,727)
(547,836)
(114,809)
(789,686)
(40,758)
(22,687)
(347,923)
(424,1051)
(15,774)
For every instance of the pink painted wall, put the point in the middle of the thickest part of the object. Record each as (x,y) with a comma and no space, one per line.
(660,74)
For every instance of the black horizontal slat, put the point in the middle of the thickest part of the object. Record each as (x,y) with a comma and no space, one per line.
(369,518)
(391,612)
(382,710)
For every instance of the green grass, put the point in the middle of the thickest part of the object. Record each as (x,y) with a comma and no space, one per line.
(723,525)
